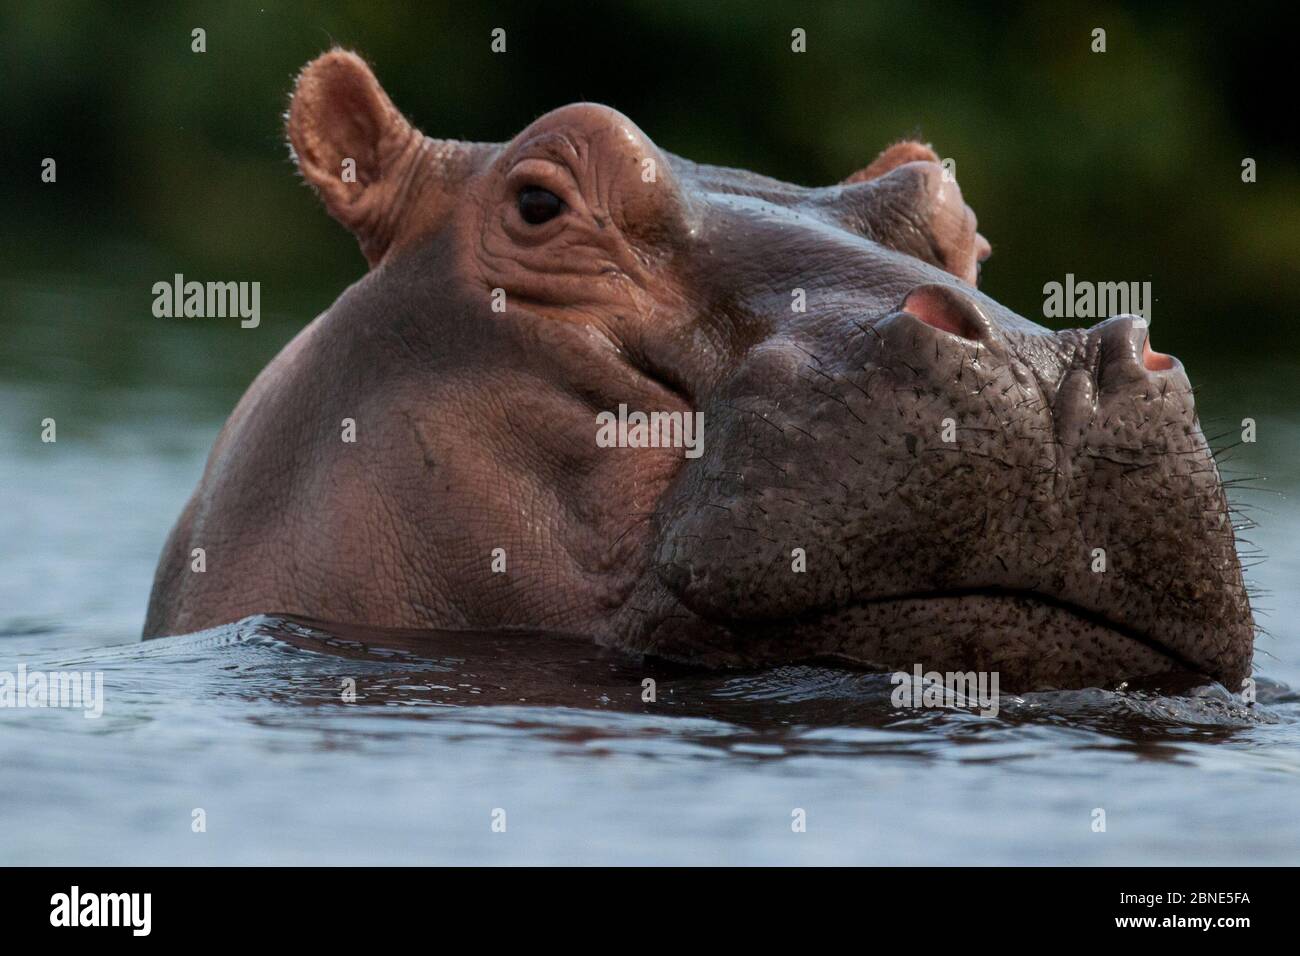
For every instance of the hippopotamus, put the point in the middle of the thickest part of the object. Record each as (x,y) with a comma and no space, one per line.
(893,468)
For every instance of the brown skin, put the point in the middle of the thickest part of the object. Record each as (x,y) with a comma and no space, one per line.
(822,428)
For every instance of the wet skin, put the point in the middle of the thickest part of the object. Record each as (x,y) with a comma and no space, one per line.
(826,429)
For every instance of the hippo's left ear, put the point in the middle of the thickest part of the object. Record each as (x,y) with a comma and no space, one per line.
(907,151)
(360,153)
(907,200)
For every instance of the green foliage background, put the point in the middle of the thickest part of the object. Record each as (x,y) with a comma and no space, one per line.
(1117,166)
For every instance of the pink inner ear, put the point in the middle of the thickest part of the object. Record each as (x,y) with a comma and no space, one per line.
(933,308)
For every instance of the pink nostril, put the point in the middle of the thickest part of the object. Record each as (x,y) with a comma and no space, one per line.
(1155,361)
(935,307)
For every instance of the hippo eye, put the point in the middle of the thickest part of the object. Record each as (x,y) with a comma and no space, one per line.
(537,205)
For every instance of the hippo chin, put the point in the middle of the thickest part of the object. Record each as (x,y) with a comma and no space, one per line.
(893,469)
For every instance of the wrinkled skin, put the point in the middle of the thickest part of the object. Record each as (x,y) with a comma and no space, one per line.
(823,429)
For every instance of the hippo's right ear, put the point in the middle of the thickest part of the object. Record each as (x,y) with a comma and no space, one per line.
(353,146)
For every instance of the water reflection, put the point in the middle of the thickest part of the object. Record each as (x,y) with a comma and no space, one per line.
(784,711)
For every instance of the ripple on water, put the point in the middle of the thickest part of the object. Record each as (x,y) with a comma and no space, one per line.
(252,719)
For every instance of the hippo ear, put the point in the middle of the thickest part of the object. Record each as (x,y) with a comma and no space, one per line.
(908,151)
(911,203)
(352,145)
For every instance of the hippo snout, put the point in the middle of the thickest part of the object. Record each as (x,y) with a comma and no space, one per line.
(993,493)
(1114,353)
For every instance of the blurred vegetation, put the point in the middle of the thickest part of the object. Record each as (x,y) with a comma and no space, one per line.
(1117,166)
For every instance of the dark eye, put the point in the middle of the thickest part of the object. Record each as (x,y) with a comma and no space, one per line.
(537,206)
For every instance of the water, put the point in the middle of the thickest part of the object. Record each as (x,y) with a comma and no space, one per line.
(248,723)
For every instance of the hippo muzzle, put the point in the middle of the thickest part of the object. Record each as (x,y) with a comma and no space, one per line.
(988,497)
(895,469)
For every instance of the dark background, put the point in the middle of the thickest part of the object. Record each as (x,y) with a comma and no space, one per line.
(1120,166)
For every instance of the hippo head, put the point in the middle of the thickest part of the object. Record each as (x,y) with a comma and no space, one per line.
(894,469)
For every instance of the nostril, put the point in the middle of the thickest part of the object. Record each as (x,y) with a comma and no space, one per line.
(1125,352)
(1155,361)
(944,309)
